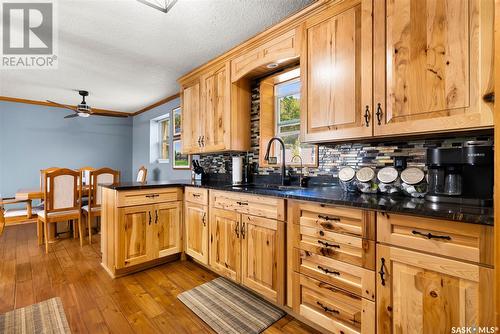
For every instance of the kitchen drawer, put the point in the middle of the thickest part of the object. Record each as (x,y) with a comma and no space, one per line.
(256,205)
(196,195)
(470,242)
(326,219)
(148,196)
(332,308)
(345,276)
(342,247)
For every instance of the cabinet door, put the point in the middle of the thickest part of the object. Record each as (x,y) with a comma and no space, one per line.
(337,73)
(433,64)
(215,104)
(196,227)
(191,125)
(263,256)
(167,223)
(420,293)
(225,243)
(134,244)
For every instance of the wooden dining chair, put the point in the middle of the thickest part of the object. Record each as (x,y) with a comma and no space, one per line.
(93,208)
(61,201)
(142,175)
(84,182)
(40,205)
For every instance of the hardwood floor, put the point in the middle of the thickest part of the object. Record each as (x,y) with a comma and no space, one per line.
(94,303)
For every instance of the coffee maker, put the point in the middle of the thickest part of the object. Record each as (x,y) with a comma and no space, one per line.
(462,174)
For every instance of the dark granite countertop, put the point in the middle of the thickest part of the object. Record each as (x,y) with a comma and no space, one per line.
(335,195)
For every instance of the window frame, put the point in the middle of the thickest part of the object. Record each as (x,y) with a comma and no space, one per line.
(155,139)
(161,141)
(269,116)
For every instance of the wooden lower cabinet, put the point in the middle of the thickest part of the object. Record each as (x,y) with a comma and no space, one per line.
(167,228)
(249,250)
(420,293)
(332,308)
(135,236)
(196,231)
(148,232)
(225,244)
(262,256)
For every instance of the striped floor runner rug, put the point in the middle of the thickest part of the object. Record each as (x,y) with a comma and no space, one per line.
(228,308)
(47,317)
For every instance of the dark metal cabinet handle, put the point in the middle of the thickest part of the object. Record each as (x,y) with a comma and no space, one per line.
(327,271)
(327,309)
(328,218)
(382,272)
(150,218)
(152,195)
(367,116)
(203,141)
(203,219)
(196,195)
(242,203)
(431,236)
(379,114)
(199,141)
(243,230)
(237,230)
(326,244)
(156,216)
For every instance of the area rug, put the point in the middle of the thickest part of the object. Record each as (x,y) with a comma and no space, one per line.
(45,317)
(228,308)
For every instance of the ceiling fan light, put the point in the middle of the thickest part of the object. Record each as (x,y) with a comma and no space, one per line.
(83,114)
(161,5)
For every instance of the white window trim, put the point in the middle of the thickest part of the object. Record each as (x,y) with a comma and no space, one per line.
(155,139)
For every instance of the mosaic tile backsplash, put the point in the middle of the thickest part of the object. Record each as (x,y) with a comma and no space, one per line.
(334,156)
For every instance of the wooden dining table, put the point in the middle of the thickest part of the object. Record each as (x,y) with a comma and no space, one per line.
(30,194)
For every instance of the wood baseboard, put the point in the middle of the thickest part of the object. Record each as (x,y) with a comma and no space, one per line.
(125,271)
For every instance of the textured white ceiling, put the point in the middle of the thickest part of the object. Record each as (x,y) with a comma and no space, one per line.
(129,55)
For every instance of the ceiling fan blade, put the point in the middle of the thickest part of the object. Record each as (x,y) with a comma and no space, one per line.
(62,105)
(71,116)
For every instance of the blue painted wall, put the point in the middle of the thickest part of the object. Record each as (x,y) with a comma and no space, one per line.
(35,137)
(141,143)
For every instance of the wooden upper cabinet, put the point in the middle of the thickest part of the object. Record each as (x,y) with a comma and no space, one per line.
(215,108)
(281,49)
(215,112)
(191,125)
(433,63)
(135,236)
(420,293)
(336,61)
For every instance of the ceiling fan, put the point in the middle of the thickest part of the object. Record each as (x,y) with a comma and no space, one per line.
(84,110)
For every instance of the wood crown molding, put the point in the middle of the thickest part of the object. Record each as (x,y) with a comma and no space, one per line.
(100,112)
(156,104)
